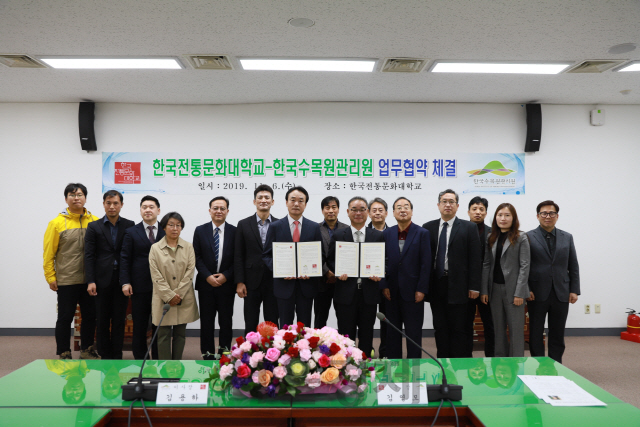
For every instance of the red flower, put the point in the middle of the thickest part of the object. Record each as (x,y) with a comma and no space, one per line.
(293,352)
(300,327)
(266,343)
(313,342)
(244,371)
(364,356)
(240,340)
(289,337)
(224,360)
(324,361)
(334,348)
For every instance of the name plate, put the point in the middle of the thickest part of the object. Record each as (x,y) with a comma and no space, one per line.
(402,394)
(182,394)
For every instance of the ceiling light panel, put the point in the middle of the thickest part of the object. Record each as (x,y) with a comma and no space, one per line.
(113,63)
(345,65)
(633,66)
(20,61)
(498,67)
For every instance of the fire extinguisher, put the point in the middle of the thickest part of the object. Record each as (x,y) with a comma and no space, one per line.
(633,327)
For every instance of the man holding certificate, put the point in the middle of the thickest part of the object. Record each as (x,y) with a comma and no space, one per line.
(358,259)
(293,251)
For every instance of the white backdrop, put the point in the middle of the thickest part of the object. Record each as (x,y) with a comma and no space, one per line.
(589,171)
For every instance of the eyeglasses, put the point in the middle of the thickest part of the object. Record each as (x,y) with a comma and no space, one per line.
(76,196)
(174,226)
(548,214)
(448,202)
(363,210)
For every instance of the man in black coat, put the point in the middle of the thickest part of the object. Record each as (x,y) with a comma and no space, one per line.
(254,281)
(457,272)
(103,243)
(135,276)
(213,245)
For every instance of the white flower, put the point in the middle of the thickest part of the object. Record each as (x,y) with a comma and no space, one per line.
(225,371)
(312,364)
(245,346)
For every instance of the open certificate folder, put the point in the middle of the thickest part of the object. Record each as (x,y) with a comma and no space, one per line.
(297,259)
(360,259)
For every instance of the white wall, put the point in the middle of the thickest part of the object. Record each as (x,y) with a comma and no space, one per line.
(591,172)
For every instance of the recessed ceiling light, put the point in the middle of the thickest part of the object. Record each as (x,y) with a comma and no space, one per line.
(301,22)
(113,63)
(625,92)
(622,48)
(633,66)
(349,65)
(498,67)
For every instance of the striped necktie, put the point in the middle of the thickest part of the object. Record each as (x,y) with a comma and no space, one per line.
(216,246)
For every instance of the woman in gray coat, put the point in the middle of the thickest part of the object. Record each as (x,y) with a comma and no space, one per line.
(504,280)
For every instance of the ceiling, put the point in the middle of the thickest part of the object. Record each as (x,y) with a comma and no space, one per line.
(529,30)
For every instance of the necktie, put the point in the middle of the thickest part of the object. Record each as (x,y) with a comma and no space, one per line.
(151,238)
(358,236)
(442,251)
(216,245)
(296,231)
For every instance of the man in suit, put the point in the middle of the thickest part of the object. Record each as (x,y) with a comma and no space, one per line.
(294,294)
(477,213)
(135,276)
(457,272)
(322,302)
(213,245)
(554,281)
(356,299)
(103,243)
(408,269)
(378,213)
(254,282)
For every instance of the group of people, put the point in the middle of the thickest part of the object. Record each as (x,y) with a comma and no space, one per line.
(458,266)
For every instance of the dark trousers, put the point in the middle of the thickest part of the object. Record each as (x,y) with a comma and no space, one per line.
(382,349)
(411,315)
(111,310)
(322,306)
(141,314)
(262,295)
(487,322)
(449,322)
(558,312)
(357,318)
(297,305)
(214,302)
(68,297)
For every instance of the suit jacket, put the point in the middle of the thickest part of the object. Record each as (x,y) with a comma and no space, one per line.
(410,271)
(205,256)
(279,231)
(134,258)
(248,264)
(465,262)
(562,272)
(483,240)
(515,261)
(326,242)
(345,291)
(99,251)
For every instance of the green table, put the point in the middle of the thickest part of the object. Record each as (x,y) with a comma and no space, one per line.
(46,417)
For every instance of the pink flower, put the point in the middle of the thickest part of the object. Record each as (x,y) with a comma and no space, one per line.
(316,355)
(245,346)
(280,372)
(305,355)
(303,344)
(225,371)
(254,377)
(313,380)
(237,353)
(362,388)
(253,337)
(272,354)
(357,356)
(353,372)
(237,364)
(256,358)
(284,360)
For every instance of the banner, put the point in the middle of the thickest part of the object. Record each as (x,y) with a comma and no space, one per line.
(368,176)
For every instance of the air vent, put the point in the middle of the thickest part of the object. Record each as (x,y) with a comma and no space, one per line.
(210,62)
(403,65)
(596,66)
(20,61)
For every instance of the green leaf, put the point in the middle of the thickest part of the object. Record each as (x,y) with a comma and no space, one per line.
(292,391)
(247,387)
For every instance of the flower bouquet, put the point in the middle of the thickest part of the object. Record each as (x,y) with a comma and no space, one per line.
(293,360)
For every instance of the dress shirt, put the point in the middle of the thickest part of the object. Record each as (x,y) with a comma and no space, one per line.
(263,228)
(220,242)
(446,255)
(498,275)
(551,240)
(402,236)
(331,230)
(154,230)
(114,233)
(292,226)
(370,225)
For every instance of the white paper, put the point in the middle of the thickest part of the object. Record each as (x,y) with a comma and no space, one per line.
(309,259)
(402,393)
(347,257)
(284,260)
(559,391)
(182,394)
(372,260)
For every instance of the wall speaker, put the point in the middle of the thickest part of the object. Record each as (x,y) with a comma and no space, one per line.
(534,128)
(86,117)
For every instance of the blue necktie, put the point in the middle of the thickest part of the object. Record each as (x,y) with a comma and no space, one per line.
(442,251)
(216,246)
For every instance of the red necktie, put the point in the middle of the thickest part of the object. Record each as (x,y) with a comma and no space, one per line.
(296,231)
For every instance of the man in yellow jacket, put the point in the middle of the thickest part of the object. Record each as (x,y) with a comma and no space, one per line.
(64,272)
